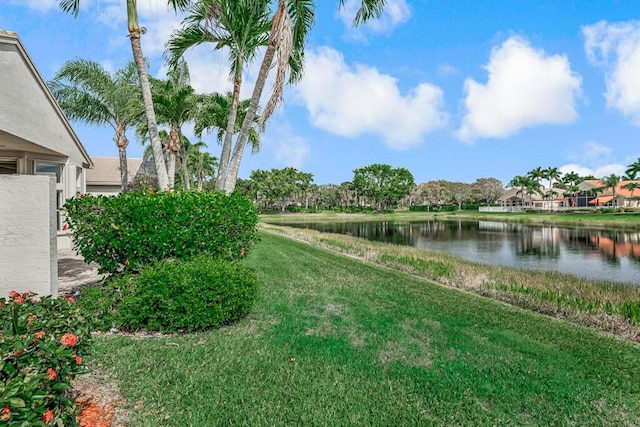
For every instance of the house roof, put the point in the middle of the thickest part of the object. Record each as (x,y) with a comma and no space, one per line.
(620,191)
(106,170)
(31,114)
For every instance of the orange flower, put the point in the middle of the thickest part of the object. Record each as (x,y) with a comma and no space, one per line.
(31,318)
(242,252)
(14,294)
(48,416)
(38,336)
(18,300)
(52,374)
(70,299)
(64,227)
(126,262)
(78,360)
(5,414)
(69,340)
(150,191)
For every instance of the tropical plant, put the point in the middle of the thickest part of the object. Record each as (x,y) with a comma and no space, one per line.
(552,174)
(290,23)
(86,92)
(611,182)
(135,32)
(175,104)
(239,25)
(202,165)
(521,182)
(633,170)
(631,186)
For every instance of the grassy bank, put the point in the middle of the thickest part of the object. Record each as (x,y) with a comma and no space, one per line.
(606,306)
(335,341)
(621,221)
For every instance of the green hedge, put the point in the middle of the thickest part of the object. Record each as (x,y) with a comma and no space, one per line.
(185,295)
(135,229)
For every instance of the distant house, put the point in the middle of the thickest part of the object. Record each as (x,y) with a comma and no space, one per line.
(591,193)
(35,136)
(104,179)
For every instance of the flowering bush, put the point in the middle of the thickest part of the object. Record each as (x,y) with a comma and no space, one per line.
(132,230)
(189,295)
(42,342)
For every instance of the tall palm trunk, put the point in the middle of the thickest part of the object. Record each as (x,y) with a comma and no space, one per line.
(173,147)
(223,167)
(134,35)
(122,142)
(185,166)
(267,61)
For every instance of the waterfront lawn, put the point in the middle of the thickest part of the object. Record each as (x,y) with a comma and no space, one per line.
(335,341)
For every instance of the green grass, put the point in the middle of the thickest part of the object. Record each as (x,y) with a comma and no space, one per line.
(335,341)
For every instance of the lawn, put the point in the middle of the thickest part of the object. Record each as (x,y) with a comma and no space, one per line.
(335,341)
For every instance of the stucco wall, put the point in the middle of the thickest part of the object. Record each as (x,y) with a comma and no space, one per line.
(28,249)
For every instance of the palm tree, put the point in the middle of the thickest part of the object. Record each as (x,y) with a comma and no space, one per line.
(533,186)
(201,164)
(213,113)
(536,174)
(135,32)
(88,93)
(612,182)
(239,25)
(552,174)
(175,104)
(633,170)
(519,181)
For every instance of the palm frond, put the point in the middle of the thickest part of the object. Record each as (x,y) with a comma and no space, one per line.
(72,6)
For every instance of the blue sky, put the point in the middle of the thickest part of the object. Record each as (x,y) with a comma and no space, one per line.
(454,90)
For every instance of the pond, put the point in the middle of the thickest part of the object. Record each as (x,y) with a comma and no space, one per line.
(594,254)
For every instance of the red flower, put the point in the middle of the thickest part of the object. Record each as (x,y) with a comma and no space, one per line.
(52,374)
(31,318)
(242,252)
(150,191)
(69,340)
(80,196)
(126,262)
(38,336)
(18,300)
(64,227)
(5,414)
(48,416)
(14,294)
(78,360)
(70,299)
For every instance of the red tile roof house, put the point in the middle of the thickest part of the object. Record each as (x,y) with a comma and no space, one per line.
(42,164)
(605,197)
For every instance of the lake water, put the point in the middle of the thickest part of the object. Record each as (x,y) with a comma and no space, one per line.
(602,255)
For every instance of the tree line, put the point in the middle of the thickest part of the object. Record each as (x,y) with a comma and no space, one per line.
(375,187)
(277,30)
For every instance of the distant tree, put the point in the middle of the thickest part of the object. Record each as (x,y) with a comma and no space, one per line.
(382,184)
(280,187)
(202,165)
(611,182)
(459,192)
(432,193)
(631,186)
(488,189)
(329,196)
(633,170)
(552,174)
(536,174)
(519,181)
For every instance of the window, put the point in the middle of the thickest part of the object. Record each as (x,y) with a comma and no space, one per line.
(8,167)
(53,169)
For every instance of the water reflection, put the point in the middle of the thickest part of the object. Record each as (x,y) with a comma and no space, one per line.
(605,255)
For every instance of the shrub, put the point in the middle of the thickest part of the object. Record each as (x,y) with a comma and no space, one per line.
(135,229)
(42,342)
(195,294)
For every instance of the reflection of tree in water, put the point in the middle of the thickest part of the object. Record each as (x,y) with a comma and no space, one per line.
(539,242)
(610,245)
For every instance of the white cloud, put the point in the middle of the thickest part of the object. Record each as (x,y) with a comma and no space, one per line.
(594,159)
(525,88)
(292,151)
(41,5)
(396,12)
(616,48)
(351,101)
